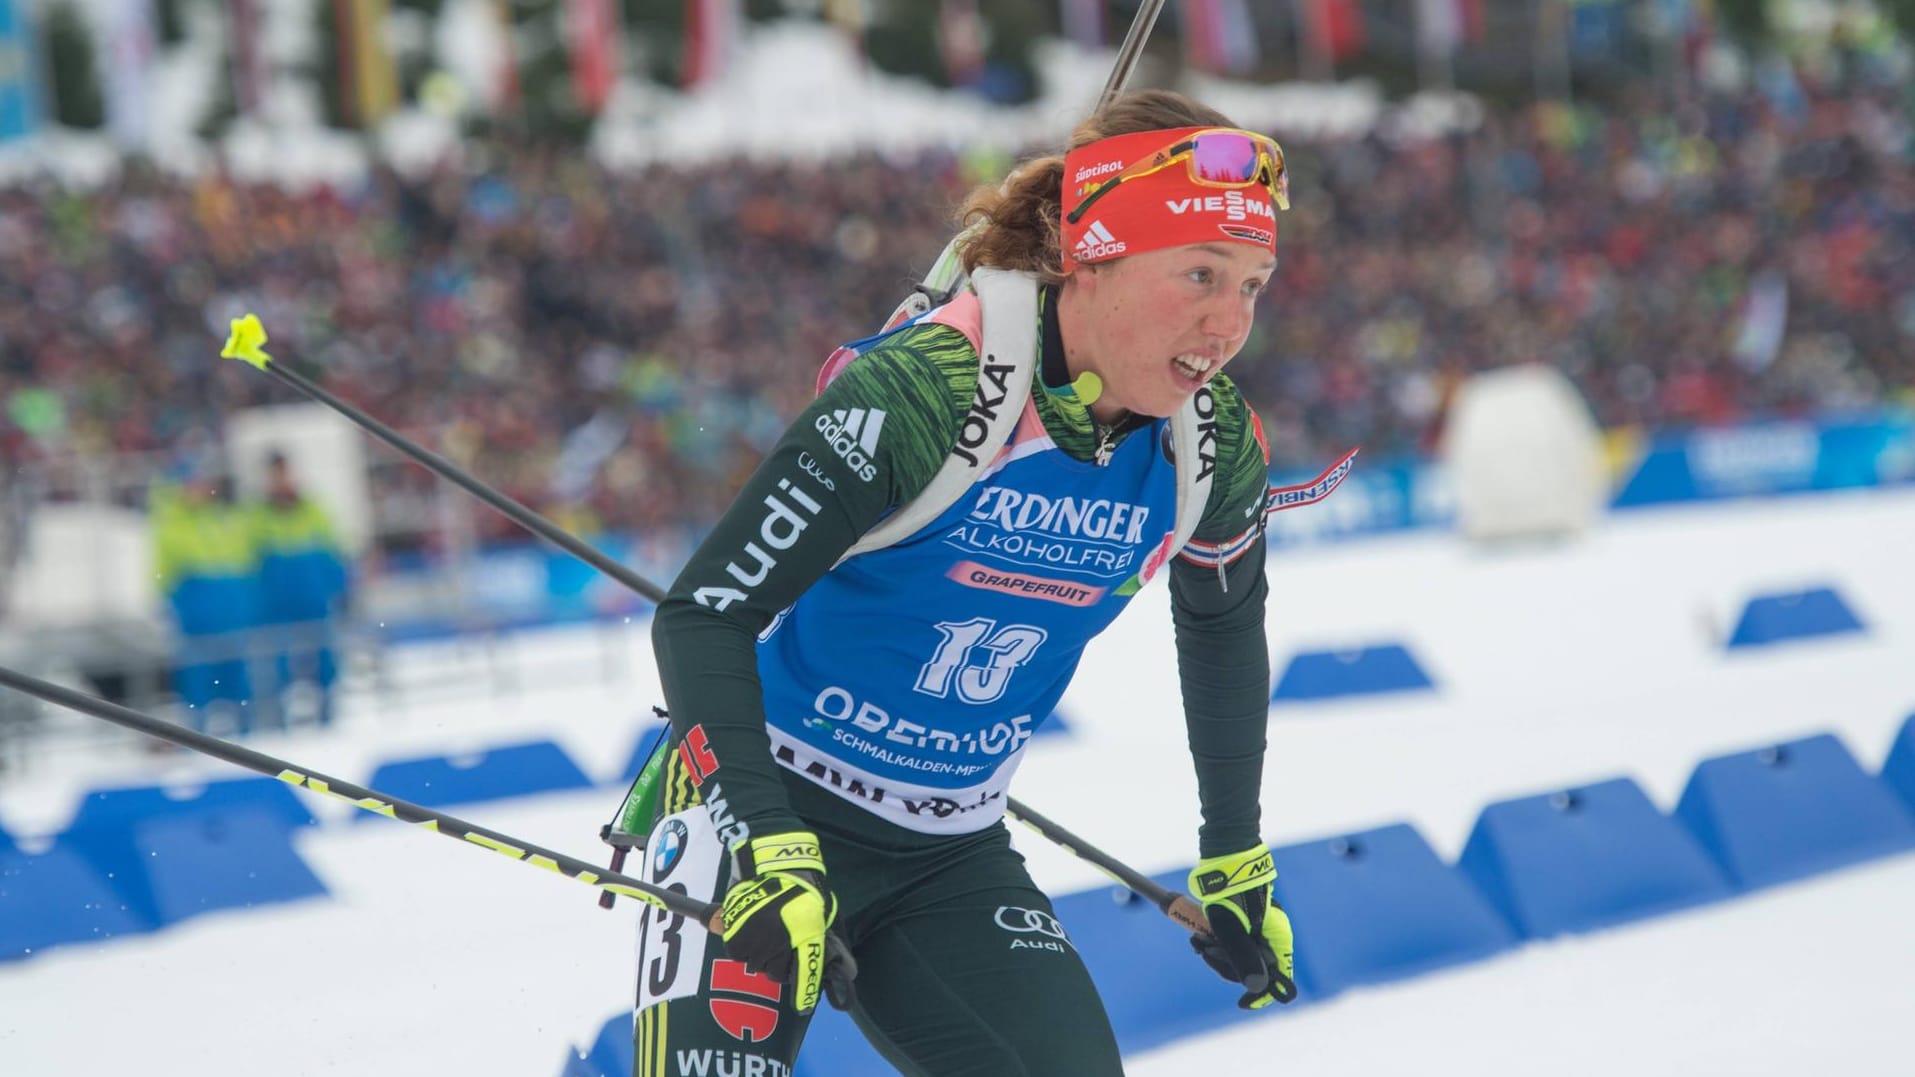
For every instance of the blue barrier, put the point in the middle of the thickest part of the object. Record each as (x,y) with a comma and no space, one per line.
(54,898)
(1379,906)
(174,852)
(516,770)
(612,1051)
(1154,987)
(1586,858)
(1792,810)
(108,809)
(234,859)
(1898,773)
(1329,674)
(1796,615)
(610,1054)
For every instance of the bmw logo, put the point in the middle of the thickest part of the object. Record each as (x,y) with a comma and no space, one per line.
(669,847)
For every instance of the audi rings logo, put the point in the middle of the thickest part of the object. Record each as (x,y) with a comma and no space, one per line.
(1030,922)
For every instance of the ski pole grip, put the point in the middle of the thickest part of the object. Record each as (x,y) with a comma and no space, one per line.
(606,897)
(1187,912)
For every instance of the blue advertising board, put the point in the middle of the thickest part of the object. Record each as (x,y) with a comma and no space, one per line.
(1764,459)
(19,81)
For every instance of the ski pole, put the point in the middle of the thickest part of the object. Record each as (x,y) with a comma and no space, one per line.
(947,273)
(247,344)
(1133,47)
(369,799)
(1177,906)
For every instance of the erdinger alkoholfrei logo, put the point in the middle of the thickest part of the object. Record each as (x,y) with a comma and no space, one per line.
(1093,535)
(670,847)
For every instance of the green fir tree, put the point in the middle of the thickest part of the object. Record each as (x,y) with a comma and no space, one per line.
(655,29)
(549,109)
(325,64)
(73,67)
(170,21)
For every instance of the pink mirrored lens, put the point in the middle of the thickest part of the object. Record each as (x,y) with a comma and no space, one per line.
(1224,158)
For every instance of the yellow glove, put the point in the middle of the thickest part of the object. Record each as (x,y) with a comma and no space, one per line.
(778,913)
(1250,941)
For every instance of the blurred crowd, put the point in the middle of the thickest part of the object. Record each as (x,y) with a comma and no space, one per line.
(616,349)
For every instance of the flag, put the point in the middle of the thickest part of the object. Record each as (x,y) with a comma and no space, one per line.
(961,40)
(1765,320)
(249,66)
(503,94)
(1595,27)
(1335,27)
(129,45)
(368,80)
(1672,18)
(848,15)
(591,37)
(1199,34)
(1083,22)
(19,78)
(1239,48)
(1442,25)
(1219,36)
(1699,32)
(710,28)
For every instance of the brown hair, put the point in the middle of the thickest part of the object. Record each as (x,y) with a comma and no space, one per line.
(1019,223)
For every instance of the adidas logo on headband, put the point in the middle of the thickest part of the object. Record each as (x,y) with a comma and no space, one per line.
(1097,243)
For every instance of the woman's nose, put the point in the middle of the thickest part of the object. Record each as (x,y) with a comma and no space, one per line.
(1228,321)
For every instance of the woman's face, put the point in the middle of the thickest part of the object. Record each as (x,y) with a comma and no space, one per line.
(1156,326)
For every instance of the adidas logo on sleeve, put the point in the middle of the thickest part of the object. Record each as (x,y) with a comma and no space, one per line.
(1097,243)
(853,435)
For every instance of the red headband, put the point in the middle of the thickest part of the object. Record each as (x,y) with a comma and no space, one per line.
(1163,209)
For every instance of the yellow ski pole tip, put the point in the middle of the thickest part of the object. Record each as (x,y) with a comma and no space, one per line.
(247,342)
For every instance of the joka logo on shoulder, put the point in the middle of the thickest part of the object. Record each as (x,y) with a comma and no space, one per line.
(853,435)
(1097,243)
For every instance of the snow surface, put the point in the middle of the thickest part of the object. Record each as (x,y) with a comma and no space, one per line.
(1554,666)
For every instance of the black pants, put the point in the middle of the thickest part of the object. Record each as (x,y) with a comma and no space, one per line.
(962,968)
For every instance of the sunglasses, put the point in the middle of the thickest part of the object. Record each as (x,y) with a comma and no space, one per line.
(1217,157)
